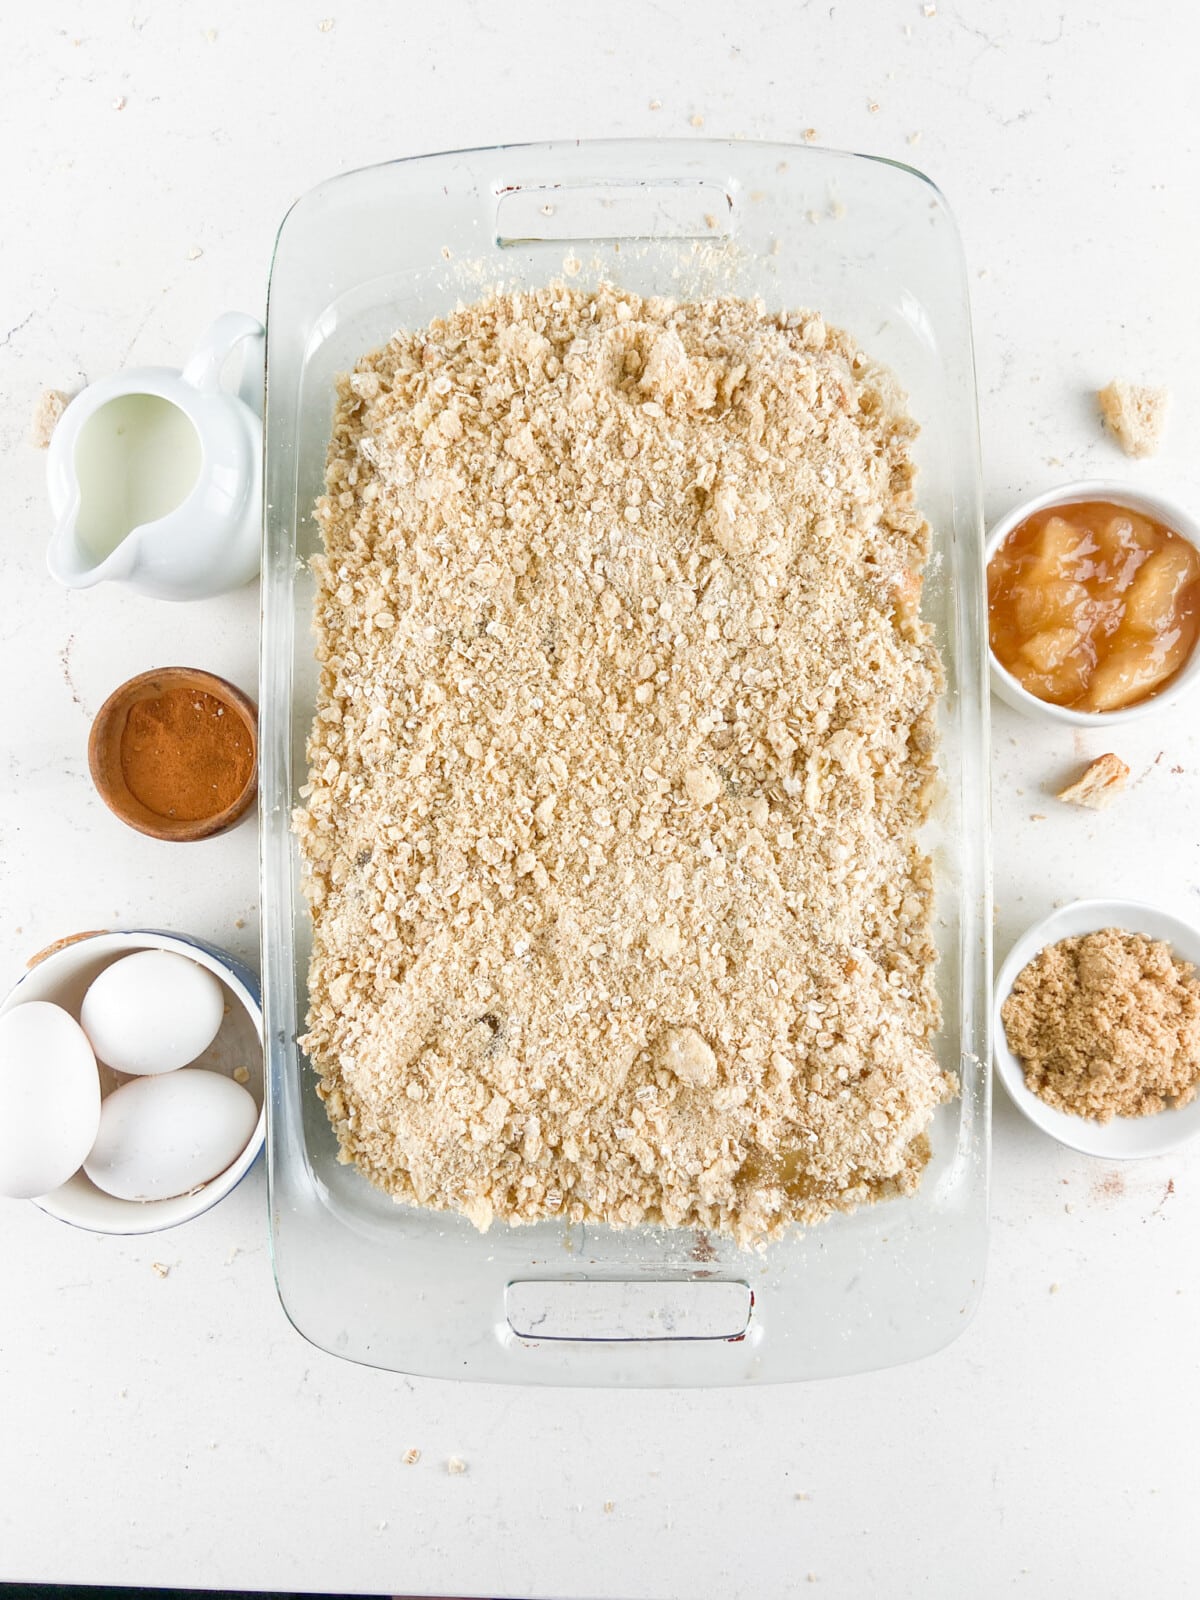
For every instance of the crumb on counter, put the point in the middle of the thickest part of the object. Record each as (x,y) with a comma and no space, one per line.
(1135,414)
(411,1456)
(1098,785)
(51,404)
(456,1466)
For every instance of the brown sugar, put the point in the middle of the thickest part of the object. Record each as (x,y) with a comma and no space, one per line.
(185,754)
(1107,1025)
(624,735)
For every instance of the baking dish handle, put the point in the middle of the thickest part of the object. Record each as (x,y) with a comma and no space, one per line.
(684,208)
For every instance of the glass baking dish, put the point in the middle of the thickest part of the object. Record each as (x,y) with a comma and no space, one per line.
(872,246)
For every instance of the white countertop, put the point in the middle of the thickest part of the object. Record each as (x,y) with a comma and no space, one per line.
(175,1430)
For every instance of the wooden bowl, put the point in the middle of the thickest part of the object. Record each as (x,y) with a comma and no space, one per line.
(104,753)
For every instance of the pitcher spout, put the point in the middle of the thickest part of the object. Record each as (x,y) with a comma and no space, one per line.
(72,565)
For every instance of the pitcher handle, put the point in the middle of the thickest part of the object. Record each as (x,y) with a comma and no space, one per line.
(203,369)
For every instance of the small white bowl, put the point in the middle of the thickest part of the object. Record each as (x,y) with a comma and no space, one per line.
(62,975)
(1167,512)
(1124,1138)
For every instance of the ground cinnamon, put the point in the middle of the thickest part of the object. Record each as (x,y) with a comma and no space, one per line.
(185,754)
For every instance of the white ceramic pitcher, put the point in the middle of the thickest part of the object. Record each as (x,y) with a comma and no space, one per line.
(155,476)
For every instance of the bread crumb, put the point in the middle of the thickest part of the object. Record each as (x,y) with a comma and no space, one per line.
(1107,1025)
(195,253)
(809,136)
(696,120)
(609,1505)
(456,1466)
(1054,1288)
(929,9)
(325,25)
(241,1075)
(119,103)
(656,105)
(872,106)
(51,404)
(915,136)
(160,1269)
(1098,785)
(411,1456)
(1135,414)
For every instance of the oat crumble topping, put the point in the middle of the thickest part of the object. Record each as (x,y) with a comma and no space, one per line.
(624,733)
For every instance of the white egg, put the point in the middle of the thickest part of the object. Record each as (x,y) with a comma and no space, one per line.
(165,1135)
(152,1012)
(49,1098)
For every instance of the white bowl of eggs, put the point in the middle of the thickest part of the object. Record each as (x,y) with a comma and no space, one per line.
(131,1084)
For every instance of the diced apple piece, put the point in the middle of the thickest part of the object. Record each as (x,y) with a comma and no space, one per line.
(1098,619)
(1124,543)
(1115,537)
(1061,687)
(1048,650)
(1058,547)
(1126,532)
(1151,602)
(1052,604)
(1131,674)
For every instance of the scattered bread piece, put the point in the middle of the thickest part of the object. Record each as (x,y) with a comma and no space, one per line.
(50,406)
(1099,785)
(1135,413)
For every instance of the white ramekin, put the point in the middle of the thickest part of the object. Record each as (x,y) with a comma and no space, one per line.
(61,975)
(1124,1138)
(1151,505)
